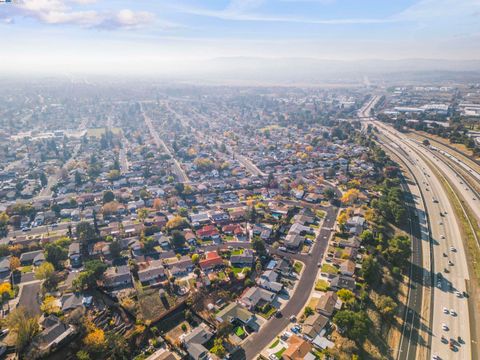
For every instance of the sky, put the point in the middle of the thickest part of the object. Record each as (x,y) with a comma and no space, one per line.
(127,36)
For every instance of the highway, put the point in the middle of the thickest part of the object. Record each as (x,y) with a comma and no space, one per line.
(447,246)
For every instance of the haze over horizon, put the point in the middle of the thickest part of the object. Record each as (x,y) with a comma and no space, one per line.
(194,37)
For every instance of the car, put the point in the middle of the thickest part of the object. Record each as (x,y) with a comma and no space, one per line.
(54,225)
(444,327)
(440,222)
(450,263)
(458,293)
(452,249)
(445,255)
(4,332)
(439,284)
(445,310)
(442,237)
(293,318)
(278,314)
(445,270)
(452,312)
(3,350)
(282,248)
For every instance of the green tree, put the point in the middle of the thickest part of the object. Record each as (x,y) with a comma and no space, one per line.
(23,326)
(46,271)
(386,306)
(354,325)
(308,311)
(115,249)
(178,239)
(83,355)
(85,232)
(259,246)
(346,296)
(370,271)
(56,254)
(4,219)
(218,348)
(108,196)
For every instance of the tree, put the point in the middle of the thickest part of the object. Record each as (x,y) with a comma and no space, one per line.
(342,220)
(259,246)
(350,196)
(308,311)
(14,263)
(115,249)
(177,222)
(4,219)
(50,306)
(426,142)
(117,347)
(6,292)
(370,271)
(87,278)
(224,329)
(108,196)
(218,348)
(83,355)
(195,258)
(23,326)
(329,193)
(178,239)
(346,296)
(354,325)
(95,340)
(85,232)
(56,254)
(399,250)
(386,306)
(46,272)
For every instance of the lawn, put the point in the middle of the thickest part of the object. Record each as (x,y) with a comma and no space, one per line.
(297,267)
(270,310)
(280,353)
(310,236)
(228,238)
(329,269)
(275,343)
(320,214)
(321,285)
(239,332)
(237,252)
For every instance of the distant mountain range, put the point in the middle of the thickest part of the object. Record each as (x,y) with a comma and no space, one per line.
(309,70)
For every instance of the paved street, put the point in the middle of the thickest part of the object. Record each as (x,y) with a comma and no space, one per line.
(256,342)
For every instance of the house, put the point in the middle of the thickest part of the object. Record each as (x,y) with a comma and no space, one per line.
(342,282)
(208,232)
(199,219)
(117,276)
(297,349)
(242,260)
(74,254)
(313,325)
(256,296)
(35,258)
(238,214)
(235,311)
(347,267)
(351,242)
(180,267)
(268,281)
(55,332)
(151,274)
(163,354)
(326,304)
(5,269)
(194,341)
(212,260)
(283,267)
(355,225)
(219,217)
(71,301)
(303,219)
(293,242)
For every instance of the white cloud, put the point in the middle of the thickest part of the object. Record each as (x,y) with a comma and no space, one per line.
(61,12)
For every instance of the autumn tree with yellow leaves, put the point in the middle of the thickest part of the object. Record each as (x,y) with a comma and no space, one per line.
(350,196)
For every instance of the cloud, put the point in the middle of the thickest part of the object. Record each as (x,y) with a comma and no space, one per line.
(57,12)
(239,10)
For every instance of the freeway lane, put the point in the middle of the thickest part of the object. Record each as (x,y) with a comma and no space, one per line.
(257,342)
(445,233)
(418,227)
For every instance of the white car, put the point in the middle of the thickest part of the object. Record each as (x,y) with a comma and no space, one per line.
(444,327)
(445,310)
(452,312)
(452,248)
(458,293)
(442,237)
